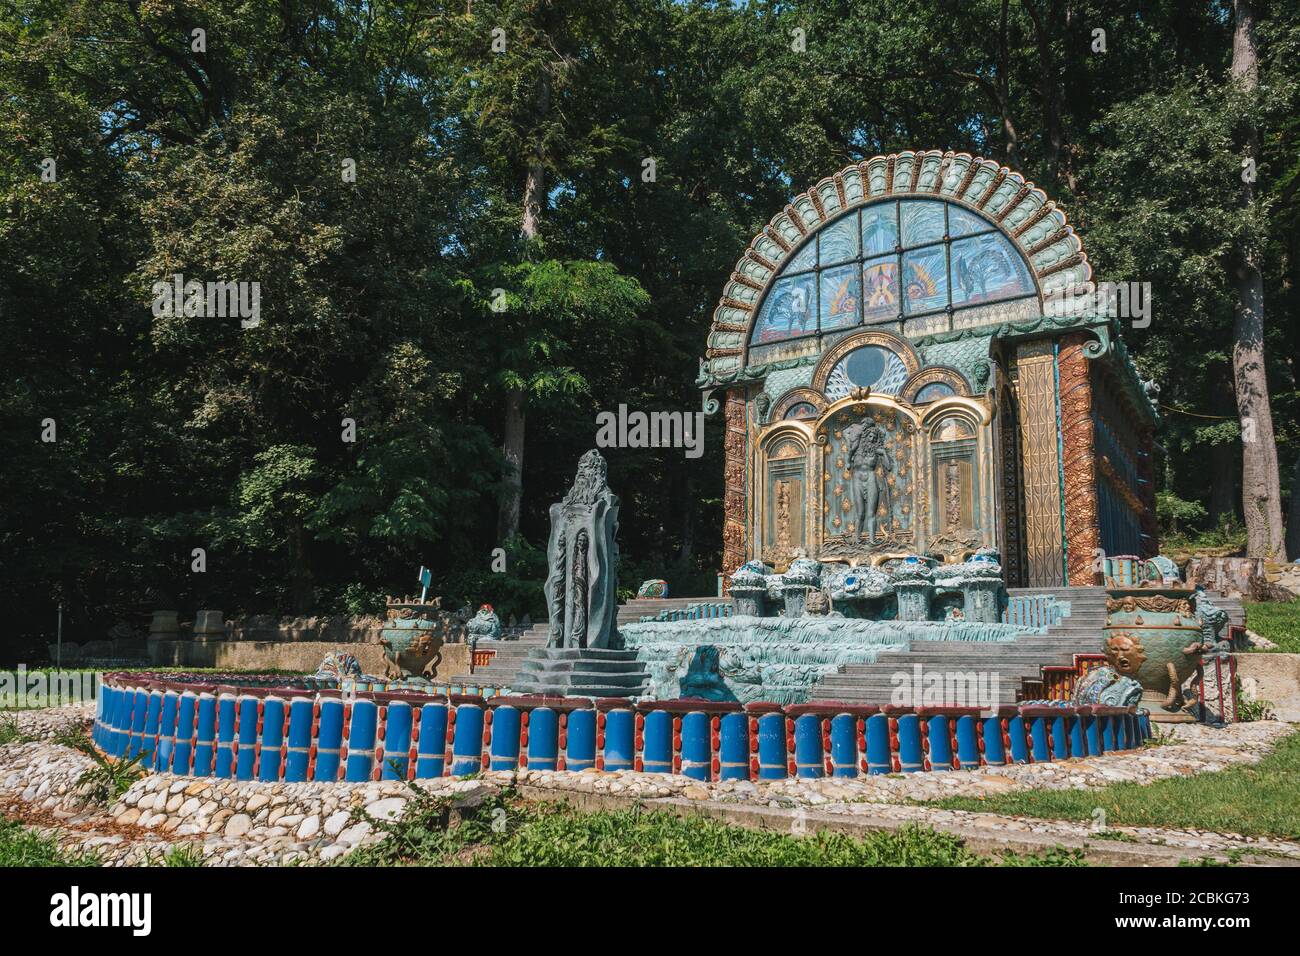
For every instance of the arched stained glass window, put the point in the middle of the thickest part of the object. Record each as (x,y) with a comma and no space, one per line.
(890,261)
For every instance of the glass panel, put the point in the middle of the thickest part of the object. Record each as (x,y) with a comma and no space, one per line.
(840,293)
(788,310)
(801,410)
(985,268)
(922,221)
(929,393)
(839,241)
(925,280)
(805,258)
(879,229)
(963,223)
(880,290)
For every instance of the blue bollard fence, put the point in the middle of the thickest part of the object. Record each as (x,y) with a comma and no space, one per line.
(995,751)
(467,741)
(122,722)
(298,752)
(1107,733)
(657,749)
(205,735)
(149,745)
(844,745)
(1038,732)
(397,741)
(362,732)
(329,742)
(620,739)
(269,762)
(506,724)
(940,740)
(1018,735)
(909,744)
(1078,748)
(1060,738)
(808,759)
(167,730)
(543,739)
(733,747)
(225,736)
(696,752)
(968,744)
(431,756)
(771,747)
(879,758)
(246,752)
(183,752)
(580,729)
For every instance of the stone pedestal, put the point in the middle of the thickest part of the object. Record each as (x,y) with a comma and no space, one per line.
(581,672)
(914,597)
(750,601)
(163,627)
(981,599)
(209,626)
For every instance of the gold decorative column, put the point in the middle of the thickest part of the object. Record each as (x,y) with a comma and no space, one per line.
(1082,522)
(733,496)
(1039,436)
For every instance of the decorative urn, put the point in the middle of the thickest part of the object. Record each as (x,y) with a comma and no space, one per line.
(1154,637)
(412,639)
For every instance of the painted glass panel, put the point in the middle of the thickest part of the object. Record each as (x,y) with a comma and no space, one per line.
(805,258)
(925,280)
(880,290)
(879,229)
(839,241)
(801,410)
(986,268)
(788,310)
(928,393)
(963,223)
(840,292)
(922,221)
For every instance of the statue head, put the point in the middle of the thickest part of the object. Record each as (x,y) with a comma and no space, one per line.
(590,481)
(817,603)
(1125,653)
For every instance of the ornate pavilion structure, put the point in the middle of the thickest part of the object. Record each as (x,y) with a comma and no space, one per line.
(905,372)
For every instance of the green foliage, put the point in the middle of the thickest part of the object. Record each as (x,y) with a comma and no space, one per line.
(109,778)
(1257,800)
(1277,621)
(1250,708)
(22,847)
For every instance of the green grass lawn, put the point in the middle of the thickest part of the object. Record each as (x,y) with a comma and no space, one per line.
(20,846)
(1258,800)
(1279,621)
(511,833)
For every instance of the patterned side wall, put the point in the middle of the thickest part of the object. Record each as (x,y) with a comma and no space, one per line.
(1083,527)
(734,502)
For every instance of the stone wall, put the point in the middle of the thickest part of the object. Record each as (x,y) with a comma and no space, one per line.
(1275,678)
(300,656)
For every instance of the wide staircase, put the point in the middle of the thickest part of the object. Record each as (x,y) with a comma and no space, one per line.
(508,657)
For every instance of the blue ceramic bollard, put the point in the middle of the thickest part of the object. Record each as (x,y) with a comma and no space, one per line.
(771,747)
(657,752)
(139,705)
(205,735)
(968,745)
(696,752)
(117,741)
(808,759)
(1078,748)
(397,741)
(581,732)
(1038,731)
(844,745)
(1107,733)
(431,758)
(1019,742)
(167,731)
(246,753)
(504,754)
(298,752)
(467,741)
(879,758)
(149,744)
(1121,733)
(269,762)
(329,740)
(909,743)
(543,739)
(733,747)
(1091,735)
(361,741)
(183,752)
(995,751)
(620,739)
(225,736)
(940,739)
(1060,738)
(1144,722)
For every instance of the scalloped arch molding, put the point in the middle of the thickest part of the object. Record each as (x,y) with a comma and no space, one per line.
(1037,226)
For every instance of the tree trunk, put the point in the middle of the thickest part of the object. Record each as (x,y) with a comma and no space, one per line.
(1260,486)
(516,400)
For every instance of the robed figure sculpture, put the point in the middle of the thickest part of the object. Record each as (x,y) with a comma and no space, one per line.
(582,556)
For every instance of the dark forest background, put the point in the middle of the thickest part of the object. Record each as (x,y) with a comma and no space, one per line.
(522,170)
